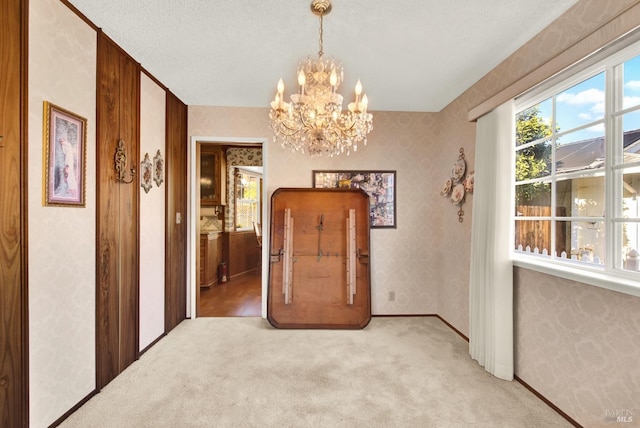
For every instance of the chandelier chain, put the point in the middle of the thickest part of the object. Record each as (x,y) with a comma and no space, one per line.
(313,121)
(321,51)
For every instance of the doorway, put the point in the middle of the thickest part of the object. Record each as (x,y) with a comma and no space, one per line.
(241,296)
(227,182)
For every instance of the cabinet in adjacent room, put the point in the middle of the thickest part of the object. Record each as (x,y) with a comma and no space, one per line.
(212,176)
(210,257)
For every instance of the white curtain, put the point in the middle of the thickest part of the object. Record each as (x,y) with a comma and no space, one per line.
(491,274)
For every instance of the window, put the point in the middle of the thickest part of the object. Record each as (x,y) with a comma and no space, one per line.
(577,170)
(248,186)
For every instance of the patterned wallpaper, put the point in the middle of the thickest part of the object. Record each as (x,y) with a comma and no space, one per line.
(62,70)
(404,260)
(579,345)
(244,157)
(152,208)
(425,261)
(575,343)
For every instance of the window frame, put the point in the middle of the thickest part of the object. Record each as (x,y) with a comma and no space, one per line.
(258,177)
(611,275)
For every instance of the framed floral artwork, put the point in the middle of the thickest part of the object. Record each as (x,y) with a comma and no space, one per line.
(379,185)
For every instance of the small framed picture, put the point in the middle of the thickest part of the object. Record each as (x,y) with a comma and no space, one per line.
(65,157)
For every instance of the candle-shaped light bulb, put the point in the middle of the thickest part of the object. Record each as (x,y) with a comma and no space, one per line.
(301,81)
(365,101)
(333,78)
(280,86)
(358,91)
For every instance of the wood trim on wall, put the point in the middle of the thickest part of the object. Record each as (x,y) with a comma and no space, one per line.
(14,114)
(129,218)
(515,376)
(117,213)
(24,204)
(80,15)
(176,202)
(176,191)
(98,29)
(244,253)
(547,402)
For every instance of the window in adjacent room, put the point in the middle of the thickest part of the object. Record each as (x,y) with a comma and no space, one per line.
(577,169)
(247,198)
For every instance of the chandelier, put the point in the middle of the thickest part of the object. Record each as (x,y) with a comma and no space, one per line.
(313,122)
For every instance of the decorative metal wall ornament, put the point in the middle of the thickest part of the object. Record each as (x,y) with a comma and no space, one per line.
(459,184)
(146,168)
(120,160)
(158,168)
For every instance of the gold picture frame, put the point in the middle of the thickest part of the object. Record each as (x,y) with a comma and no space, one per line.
(65,157)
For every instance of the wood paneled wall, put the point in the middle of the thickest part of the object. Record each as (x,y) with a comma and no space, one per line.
(14,383)
(117,206)
(244,253)
(176,197)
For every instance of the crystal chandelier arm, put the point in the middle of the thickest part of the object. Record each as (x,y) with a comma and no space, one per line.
(283,127)
(343,129)
(313,121)
(305,124)
(347,128)
(288,134)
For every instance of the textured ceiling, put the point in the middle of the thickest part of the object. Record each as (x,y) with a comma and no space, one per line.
(411,55)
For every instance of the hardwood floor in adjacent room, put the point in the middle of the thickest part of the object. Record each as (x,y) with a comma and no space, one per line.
(239,297)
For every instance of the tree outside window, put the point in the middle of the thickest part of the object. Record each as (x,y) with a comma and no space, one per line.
(247,199)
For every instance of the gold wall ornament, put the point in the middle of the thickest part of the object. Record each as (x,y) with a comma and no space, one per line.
(459,184)
(120,160)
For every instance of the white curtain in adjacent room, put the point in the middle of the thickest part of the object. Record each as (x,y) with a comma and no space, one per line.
(491,278)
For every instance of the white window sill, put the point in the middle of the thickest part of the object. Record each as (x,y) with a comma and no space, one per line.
(593,276)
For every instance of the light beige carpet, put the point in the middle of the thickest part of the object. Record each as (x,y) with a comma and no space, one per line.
(240,372)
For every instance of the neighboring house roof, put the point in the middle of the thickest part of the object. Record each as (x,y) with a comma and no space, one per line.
(589,154)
